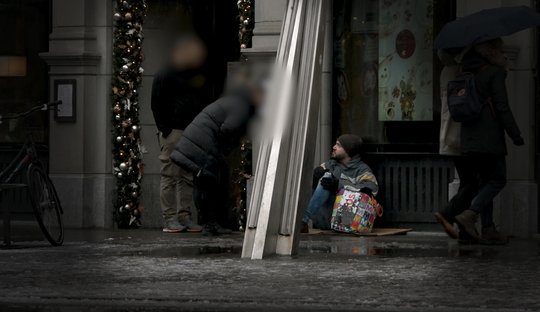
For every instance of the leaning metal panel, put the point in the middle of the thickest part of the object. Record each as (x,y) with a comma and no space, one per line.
(282,176)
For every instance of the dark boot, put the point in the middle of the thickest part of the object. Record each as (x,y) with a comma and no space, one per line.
(210,229)
(304,228)
(447,226)
(465,239)
(214,229)
(467,219)
(490,236)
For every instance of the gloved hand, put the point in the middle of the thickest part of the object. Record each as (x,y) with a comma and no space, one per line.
(367,191)
(317,175)
(330,183)
(519,141)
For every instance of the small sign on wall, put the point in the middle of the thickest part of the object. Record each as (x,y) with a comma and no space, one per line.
(65,91)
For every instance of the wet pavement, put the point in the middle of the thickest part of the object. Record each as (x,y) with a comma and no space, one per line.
(146,270)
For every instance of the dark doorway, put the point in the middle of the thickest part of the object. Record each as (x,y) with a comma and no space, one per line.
(214,21)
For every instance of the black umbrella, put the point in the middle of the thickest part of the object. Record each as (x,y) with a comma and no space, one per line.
(485,25)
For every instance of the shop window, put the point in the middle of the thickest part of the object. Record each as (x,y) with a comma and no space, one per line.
(386,72)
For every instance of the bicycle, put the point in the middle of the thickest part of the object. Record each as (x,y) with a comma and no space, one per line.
(45,202)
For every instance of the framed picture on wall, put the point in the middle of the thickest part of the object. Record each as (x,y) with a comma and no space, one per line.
(65,90)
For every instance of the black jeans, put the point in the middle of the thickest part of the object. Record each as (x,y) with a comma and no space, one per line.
(210,193)
(468,189)
(491,172)
(468,169)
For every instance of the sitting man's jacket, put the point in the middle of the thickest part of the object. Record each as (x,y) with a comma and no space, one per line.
(355,174)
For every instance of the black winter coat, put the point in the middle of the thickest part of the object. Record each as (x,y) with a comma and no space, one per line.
(213,134)
(177,97)
(486,135)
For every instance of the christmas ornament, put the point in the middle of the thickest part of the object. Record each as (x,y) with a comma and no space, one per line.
(123,166)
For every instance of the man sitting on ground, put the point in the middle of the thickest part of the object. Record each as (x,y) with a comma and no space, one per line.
(345,168)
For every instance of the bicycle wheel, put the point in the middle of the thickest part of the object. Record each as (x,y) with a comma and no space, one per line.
(46,205)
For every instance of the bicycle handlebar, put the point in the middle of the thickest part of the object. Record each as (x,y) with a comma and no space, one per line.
(42,107)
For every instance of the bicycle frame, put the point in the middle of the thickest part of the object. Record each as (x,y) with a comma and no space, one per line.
(28,153)
(26,156)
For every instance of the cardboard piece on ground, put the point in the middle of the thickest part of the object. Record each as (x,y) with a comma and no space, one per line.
(375,232)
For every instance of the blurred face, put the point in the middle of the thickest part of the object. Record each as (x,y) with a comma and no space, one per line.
(338,153)
(190,54)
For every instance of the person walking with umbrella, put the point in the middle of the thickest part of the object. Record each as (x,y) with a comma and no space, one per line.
(483,140)
(488,53)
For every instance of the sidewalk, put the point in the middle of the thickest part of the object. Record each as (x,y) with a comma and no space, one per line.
(146,270)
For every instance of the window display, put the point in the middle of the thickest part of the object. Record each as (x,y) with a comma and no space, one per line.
(384,69)
(405,51)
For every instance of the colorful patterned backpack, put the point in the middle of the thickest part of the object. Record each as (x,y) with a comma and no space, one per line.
(354,212)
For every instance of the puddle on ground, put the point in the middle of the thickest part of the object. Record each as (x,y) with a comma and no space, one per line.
(188,251)
(361,250)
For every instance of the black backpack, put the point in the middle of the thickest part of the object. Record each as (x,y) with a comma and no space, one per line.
(464,101)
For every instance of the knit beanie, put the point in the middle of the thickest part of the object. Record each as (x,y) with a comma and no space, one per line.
(352,144)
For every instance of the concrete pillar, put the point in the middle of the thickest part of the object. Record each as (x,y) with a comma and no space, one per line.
(80,158)
(268,22)
(324,132)
(516,208)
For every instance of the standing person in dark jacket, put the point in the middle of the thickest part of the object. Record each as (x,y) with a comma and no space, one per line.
(177,97)
(204,145)
(483,142)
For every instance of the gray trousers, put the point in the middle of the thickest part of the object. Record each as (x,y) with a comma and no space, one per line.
(176,185)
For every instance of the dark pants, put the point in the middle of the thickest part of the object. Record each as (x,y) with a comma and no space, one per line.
(467,168)
(491,171)
(210,193)
(468,188)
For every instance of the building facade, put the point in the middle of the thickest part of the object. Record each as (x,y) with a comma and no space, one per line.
(379,81)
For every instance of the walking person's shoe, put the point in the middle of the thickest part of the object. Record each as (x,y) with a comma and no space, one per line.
(465,239)
(467,220)
(447,226)
(191,226)
(173,227)
(491,236)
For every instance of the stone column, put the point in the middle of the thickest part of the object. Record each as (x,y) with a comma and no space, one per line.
(80,157)
(516,208)
(268,21)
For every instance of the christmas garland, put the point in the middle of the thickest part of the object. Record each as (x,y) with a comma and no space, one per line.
(247,22)
(126,138)
(243,173)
